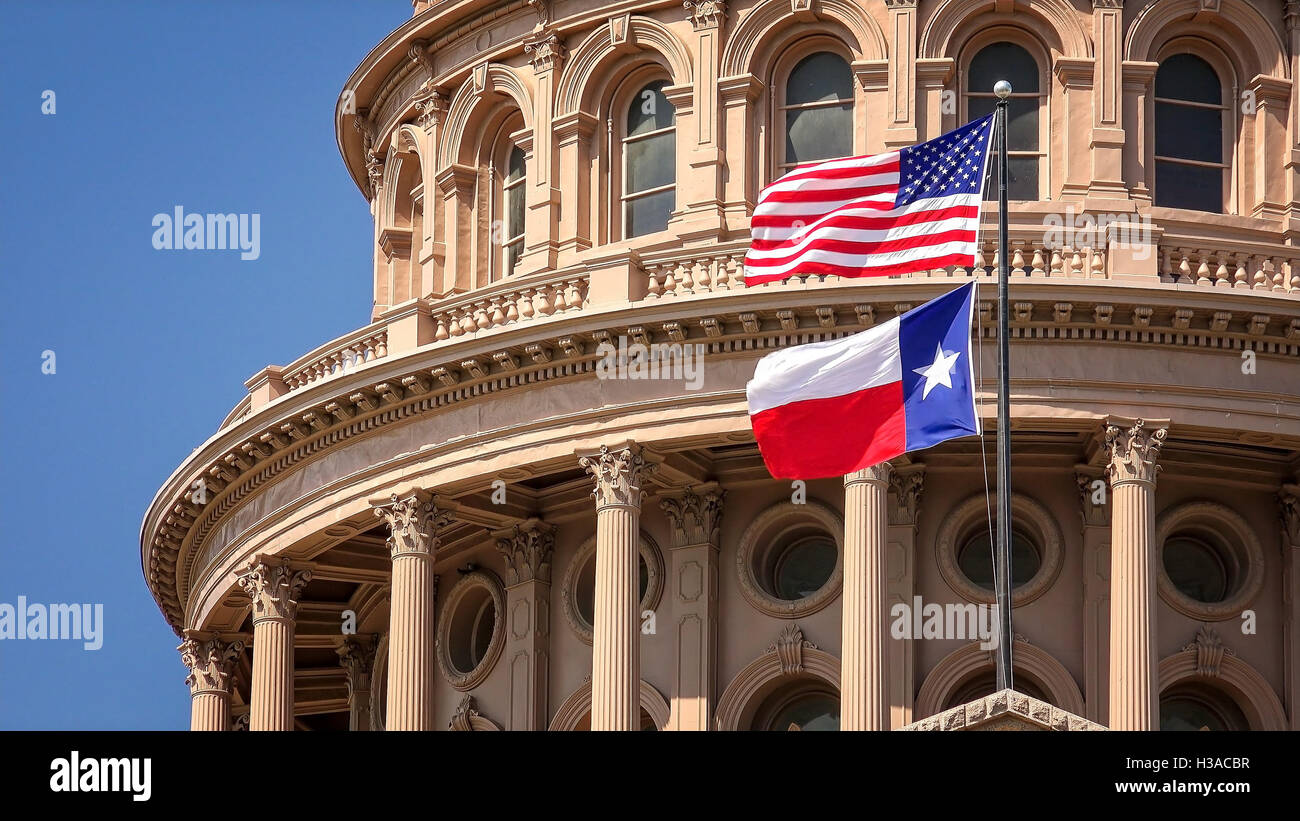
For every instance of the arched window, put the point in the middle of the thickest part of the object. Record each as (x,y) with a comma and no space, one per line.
(1026,159)
(512,218)
(816,113)
(1190,148)
(649,162)
(1198,707)
(803,705)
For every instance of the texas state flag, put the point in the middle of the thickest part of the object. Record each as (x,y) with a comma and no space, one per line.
(832,408)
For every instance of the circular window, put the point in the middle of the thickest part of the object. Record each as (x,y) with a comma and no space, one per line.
(963,549)
(1200,708)
(789,560)
(578,591)
(469,630)
(975,559)
(1211,563)
(803,707)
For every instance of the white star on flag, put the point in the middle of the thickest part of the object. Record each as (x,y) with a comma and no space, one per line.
(938,372)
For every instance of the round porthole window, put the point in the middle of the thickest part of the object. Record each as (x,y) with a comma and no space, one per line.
(578,590)
(975,558)
(469,630)
(789,560)
(964,550)
(1211,564)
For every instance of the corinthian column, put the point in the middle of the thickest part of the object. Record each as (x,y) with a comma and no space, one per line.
(864,685)
(211,662)
(274,587)
(357,656)
(413,519)
(1133,446)
(615,664)
(528,548)
(696,519)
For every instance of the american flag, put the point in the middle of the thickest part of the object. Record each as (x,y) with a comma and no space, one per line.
(893,213)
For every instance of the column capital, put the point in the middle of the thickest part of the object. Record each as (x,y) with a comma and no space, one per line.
(274,586)
(357,657)
(413,518)
(211,662)
(1133,446)
(705,13)
(619,472)
(876,474)
(545,50)
(1289,503)
(906,484)
(527,548)
(1095,514)
(430,106)
(695,517)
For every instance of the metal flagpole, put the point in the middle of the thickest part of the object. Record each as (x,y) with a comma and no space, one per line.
(1002,572)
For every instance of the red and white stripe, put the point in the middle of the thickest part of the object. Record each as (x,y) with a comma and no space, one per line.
(839,217)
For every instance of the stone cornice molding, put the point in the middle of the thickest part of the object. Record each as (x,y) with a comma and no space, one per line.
(694,518)
(618,473)
(211,662)
(1134,445)
(414,518)
(528,548)
(274,585)
(256,450)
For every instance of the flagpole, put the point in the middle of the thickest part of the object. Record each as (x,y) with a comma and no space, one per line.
(1002,570)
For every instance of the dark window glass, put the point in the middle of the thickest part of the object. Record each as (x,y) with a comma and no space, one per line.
(1189,133)
(1197,187)
(976,560)
(650,213)
(650,110)
(1003,61)
(1189,130)
(513,186)
(818,110)
(814,712)
(803,568)
(649,162)
(1196,568)
(1010,62)
(1195,708)
(1188,77)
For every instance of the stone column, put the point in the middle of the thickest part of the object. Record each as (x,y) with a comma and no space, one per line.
(1289,499)
(274,586)
(357,656)
(211,661)
(541,228)
(1094,501)
(615,665)
(864,685)
(528,548)
(1133,446)
(906,482)
(413,518)
(696,520)
(1139,155)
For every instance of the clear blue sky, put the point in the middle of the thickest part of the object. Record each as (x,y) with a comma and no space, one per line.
(222,107)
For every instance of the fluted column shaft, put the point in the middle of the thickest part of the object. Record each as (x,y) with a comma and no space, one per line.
(211,664)
(864,683)
(1134,690)
(274,587)
(413,519)
(615,665)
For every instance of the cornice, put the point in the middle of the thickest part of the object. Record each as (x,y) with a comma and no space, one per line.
(518,355)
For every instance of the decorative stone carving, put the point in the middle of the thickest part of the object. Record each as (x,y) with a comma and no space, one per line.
(543,10)
(1005,710)
(1209,651)
(413,520)
(789,649)
(546,52)
(467,718)
(618,474)
(357,656)
(527,548)
(695,519)
(274,587)
(431,106)
(240,723)
(1289,502)
(1094,514)
(419,54)
(705,13)
(1133,451)
(211,662)
(905,498)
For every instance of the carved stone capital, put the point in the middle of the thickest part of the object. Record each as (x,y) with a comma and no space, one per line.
(413,520)
(1133,449)
(527,548)
(357,657)
(430,107)
(618,473)
(900,4)
(695,518)
(875,473)
(1289,504)
(546,51)
(211,662)
(705,13)
(906,485)
(1095,512)
(274,586)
